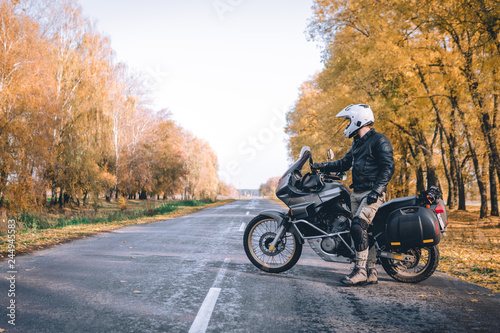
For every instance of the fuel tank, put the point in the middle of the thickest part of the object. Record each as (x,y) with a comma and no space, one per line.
(333,190)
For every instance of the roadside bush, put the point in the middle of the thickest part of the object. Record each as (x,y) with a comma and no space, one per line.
(166,208)
(149,208)
(122,203)
(32,221)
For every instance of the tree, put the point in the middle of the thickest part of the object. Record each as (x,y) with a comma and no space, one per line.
(201,179)
(25,101)
(77,123)
(428,71)
(268,189)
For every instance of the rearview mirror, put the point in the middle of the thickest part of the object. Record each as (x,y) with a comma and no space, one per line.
(330,154)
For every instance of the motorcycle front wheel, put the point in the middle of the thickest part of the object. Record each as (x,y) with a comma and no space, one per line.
(424,265)
(259,234)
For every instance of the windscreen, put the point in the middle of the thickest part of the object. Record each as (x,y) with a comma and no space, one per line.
(299,163)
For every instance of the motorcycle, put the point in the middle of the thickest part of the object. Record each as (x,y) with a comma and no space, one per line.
(405,231)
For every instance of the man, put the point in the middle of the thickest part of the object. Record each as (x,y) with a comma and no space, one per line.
(372,163)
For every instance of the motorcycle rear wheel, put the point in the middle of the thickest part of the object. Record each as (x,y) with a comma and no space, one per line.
(427,260)
(259,234)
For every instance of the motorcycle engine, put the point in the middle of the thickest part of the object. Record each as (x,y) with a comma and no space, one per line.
(333,224)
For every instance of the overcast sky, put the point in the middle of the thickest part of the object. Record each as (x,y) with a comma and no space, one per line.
(228,70)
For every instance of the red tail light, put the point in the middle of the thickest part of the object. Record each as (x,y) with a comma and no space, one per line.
(440,209)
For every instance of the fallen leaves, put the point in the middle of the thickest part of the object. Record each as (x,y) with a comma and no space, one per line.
(479,264)
(471,251)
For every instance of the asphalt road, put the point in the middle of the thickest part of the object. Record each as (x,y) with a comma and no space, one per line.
(191,273)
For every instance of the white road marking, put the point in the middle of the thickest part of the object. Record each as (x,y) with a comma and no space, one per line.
(248,213)
(222,273)
(242,227)
(202,319)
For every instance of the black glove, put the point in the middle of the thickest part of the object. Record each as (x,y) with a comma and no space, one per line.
(372,197)
(318,166)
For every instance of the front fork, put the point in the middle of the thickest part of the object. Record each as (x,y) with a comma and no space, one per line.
(279,233)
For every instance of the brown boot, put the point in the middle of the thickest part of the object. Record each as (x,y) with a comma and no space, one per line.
(357,277)
(372,276)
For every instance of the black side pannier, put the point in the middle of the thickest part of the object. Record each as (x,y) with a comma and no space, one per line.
(411,227)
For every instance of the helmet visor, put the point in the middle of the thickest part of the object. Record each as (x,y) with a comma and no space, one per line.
(348,124)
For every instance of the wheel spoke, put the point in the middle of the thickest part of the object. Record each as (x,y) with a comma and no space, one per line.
(422,267)
(422,257)
(260,239)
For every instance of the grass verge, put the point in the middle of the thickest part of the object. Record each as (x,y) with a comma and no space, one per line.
(30,240)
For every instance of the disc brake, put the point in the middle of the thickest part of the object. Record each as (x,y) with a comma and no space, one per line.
(266,240)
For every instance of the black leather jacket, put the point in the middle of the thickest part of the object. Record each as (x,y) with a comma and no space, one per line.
(371,160)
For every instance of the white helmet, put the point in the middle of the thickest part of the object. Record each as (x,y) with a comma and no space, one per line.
(360,115)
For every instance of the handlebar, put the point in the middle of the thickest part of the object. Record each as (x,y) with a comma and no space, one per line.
(337,175)
(333,175)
